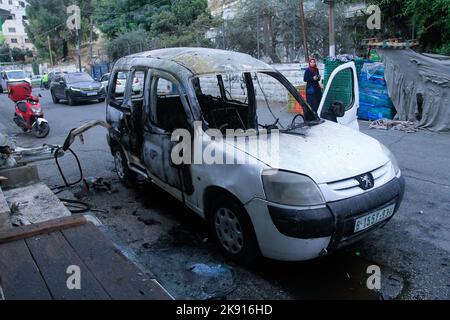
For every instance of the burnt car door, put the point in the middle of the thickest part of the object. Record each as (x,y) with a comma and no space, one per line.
(165,110)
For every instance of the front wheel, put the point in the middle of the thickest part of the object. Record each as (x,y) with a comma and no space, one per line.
(70,100)
(40,130)
(101,100)
(232,229)
(126,176)
(54,98)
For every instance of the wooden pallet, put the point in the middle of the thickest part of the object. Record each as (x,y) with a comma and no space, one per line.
(34,261)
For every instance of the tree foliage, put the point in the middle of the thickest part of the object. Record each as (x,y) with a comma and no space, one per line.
(48,18)
(8,54)
(132,25)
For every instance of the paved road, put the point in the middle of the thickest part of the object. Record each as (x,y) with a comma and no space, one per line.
(413,250)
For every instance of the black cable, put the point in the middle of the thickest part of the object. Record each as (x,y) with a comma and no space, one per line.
(74,206)
(66,184)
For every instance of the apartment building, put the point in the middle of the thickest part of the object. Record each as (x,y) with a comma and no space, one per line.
(13,29)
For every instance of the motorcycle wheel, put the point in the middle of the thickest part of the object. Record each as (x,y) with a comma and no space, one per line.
(40,131)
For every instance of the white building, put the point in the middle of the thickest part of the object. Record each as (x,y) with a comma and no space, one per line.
(13,28)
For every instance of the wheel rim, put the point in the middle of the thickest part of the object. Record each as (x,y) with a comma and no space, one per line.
(119,165)
(41,130)
(229,230)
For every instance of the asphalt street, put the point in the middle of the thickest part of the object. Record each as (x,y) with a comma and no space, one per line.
(168,241)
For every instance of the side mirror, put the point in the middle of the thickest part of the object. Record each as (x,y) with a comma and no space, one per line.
(338,109)
(61,82)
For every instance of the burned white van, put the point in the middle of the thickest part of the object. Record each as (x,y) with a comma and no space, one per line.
(214,129)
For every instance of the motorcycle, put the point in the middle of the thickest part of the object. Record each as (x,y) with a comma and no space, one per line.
(28,113)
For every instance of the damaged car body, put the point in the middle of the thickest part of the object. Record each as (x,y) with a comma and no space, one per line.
(325,186)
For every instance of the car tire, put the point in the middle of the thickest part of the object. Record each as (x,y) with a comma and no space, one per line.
(70,100)
(232,230)
(1,89)
(54,98)
(125,174)
(101,100)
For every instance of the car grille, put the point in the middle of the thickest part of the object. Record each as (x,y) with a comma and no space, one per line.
(352,186)
(90,89)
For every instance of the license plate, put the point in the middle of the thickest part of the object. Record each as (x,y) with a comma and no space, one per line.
(91,93)
(373,218)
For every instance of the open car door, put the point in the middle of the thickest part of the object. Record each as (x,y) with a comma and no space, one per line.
(340,100)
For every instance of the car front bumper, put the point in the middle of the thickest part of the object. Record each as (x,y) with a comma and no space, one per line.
(294,234)
(83,96)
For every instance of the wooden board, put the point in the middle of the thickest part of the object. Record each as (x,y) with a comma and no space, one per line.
(34,263)
(120,278)
(19,276)
(53,255)
(13,234)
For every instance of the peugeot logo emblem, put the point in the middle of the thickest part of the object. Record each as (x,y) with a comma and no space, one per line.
(366,181)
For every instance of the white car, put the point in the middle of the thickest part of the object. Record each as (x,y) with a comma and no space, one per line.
(215,130)
(121,82)
(12,76)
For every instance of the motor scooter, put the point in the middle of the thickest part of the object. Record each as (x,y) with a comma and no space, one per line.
(28,115)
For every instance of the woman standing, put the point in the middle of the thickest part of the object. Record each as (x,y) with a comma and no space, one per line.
(313,89)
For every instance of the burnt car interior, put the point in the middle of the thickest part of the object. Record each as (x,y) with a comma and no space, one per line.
(169,113)
(219,108)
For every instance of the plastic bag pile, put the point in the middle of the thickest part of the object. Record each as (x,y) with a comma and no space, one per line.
(374,99)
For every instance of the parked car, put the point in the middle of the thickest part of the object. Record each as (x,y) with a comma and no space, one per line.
(12,76)
(325,186)
(121,82)
(36,81)
(75,87)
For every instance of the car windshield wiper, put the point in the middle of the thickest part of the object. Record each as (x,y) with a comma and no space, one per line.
(270,127)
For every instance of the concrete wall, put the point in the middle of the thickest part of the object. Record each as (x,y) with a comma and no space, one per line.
(5,221)
(235,85)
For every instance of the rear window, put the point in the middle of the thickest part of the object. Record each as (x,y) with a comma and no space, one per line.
(16,75)
(78,77)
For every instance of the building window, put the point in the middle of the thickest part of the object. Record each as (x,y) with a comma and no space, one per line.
(24,18)
(13,40)
(12,30)
(10,2)
(22,4)
(27,40)
(12,17)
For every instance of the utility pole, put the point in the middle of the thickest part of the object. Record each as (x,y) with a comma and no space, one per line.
(258,30)
(78,49)
(91,26)
(50,50)
(305,36)
(331,29)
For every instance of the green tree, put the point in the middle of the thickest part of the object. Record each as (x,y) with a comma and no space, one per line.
(48,18)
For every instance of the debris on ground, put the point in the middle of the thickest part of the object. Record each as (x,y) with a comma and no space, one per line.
(211,282)
(148,221)
(386,124)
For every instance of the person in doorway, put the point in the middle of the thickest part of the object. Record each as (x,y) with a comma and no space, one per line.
(313,89)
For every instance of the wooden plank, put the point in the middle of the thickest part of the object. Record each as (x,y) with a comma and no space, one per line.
(120,278)
(53,255)
(31,230)
(20,278)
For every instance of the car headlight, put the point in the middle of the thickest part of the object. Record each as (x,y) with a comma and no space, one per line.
(75,89)
(291,188)
(392,158)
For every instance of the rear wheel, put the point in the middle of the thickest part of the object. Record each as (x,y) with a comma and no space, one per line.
(1,89)
(54,98)
(126,176)
(40,130)
(233,230)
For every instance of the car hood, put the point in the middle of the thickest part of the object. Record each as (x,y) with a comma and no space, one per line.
(85,84)
(327,152)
